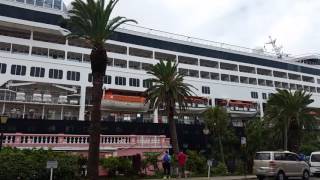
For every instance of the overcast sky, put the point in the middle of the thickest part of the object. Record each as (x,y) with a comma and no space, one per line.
(295,23)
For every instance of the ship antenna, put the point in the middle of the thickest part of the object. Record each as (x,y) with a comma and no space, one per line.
(275,48)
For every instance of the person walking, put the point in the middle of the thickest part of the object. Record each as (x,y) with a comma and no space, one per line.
(182,159)
(166,163)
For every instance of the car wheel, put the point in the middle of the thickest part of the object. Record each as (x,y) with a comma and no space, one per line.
(281,176)
(305,175)
(260,177)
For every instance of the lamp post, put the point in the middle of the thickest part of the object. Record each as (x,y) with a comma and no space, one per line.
(3,121)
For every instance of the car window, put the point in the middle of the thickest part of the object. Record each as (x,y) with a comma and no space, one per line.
(262,156)
(315,158)
(291,157)
(279,156)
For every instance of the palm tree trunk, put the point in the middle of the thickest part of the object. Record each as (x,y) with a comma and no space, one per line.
(173,131)
(285,137)
(98,65)
(221,149)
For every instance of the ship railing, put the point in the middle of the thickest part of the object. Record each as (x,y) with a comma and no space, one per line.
(174,36)
(67,140)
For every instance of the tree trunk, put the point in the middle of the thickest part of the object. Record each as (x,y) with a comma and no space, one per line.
(285,144)
(221,150)
(173,131)
(98,65)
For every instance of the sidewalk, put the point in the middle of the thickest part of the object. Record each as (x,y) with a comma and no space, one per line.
(249,177)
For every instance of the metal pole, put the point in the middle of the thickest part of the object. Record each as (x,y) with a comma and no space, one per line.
(51,173)
(1,137)
(209,172)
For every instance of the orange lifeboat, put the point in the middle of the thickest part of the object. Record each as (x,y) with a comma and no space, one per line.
(124,101)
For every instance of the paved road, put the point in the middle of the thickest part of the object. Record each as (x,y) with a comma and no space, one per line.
(312,178)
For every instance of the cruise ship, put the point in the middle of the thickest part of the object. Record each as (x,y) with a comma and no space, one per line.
(46,76)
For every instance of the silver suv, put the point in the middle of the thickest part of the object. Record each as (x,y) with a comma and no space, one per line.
(279,164)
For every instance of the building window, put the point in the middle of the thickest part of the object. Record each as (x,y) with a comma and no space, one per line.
(73,76)
(37,72)
(90,77)
(18,70)
(55,73)
(147,83)
(107,79)
(3,68)
(254,95)
(264,95)
(120,81)
(134,82)
(205,90)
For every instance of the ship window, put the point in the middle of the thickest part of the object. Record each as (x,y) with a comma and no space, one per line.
(89,77)
(147,66)
(78,43)
(56,54)
(293,86)
(73,76)
(72,56)
(279,74)
(57,4)
(264,95)
(107,79)
(269,83)
(21,49)
(187,60)
(277,84)
(228,66)
(183,72)
(39,2)
(254,95)
(46,37)
(120,81)
(205,90)
(294,76)
(165,56)
(37,72)
(299,87)
(234,78)
(48,3)
(38,51)
(253,81)
(193,73)
(134,65)
(285,85)
(116,48)
(120,63)
(30,2)
(13,32)
(18,70)
(318,89)
(215,76)
(3,68)
(209,63)
(247,69)
(55,73)
(5,46)
(306,88)
(312,89)
(134,82)
(265,72)
(140,52)
(308,79)
(147,83)
(244,80)
(110,62)
(22,1)
(205,75)
(225,77)
(262,82)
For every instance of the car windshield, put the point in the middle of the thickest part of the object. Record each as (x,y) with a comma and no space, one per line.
(262,156)
(315,158)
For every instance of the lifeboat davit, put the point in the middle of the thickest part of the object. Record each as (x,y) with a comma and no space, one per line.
(124,101)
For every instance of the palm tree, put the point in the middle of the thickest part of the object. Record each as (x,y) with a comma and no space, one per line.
(216,119)
(286,108)
(91,21)
(168,90)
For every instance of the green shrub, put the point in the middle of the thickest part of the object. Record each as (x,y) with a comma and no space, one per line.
(220,170)
(196,163)
(121,165)
(31,164)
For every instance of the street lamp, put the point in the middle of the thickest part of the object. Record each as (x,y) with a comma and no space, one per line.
(3,121)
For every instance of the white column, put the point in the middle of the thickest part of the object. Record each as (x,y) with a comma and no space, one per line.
(4,108)
(24,111)
(82,103)
(42,116)
(61,118)
(261,109)
(156,116)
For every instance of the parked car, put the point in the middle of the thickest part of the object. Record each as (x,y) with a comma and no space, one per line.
(280,164)
(314,162)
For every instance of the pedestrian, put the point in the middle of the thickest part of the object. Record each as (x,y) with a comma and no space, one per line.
(182,159)
(166,164)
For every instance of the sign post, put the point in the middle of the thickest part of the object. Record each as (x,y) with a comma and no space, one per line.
(52,165)
(209,163)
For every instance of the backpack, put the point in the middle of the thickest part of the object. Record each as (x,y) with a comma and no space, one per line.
(166,158)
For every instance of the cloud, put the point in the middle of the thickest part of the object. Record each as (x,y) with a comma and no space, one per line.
(242,22)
